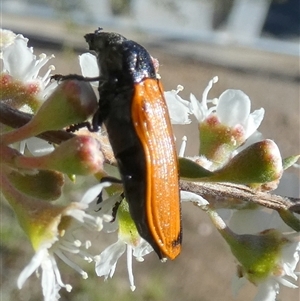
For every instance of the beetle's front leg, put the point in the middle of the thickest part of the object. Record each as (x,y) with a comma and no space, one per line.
(60,77)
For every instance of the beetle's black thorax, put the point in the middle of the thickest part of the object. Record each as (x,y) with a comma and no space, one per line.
(123,64)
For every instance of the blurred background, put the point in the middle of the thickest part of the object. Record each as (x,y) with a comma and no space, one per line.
(251,45)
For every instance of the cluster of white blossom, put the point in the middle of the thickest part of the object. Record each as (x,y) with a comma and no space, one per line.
(228,134)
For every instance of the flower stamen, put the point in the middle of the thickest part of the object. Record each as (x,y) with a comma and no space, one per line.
(183,146)
(70,263)
(207,89)
(129,267)
(57,275)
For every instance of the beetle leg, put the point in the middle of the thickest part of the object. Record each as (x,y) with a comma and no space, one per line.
(60,77)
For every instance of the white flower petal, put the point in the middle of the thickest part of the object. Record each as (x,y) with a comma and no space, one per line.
(20,62)
(32,266)
(267,291)
(233,107)
(7,37)
(93,192)
(39,147)
(110,226)
(290,258)
(49,282)
(197,109)
(18,59)
(109,258)
(178,108)
(88,64)
(253,122)
(286,282)
(142,249)
(112,271)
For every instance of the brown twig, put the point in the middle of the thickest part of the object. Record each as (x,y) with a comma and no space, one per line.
(224,195)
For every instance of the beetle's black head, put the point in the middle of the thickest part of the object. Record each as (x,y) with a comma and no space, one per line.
(120,59)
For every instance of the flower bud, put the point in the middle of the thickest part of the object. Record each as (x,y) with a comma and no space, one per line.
(259,163)
(45,185)
(80,155)
(71,102)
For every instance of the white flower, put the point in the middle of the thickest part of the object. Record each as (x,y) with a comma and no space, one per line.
(20,63)
(56,239)
(106,262)
(232,109)
(257,221)
(268,289)
(128,239)
(105,208)
(51,278)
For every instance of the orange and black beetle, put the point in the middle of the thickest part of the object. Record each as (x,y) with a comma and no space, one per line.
(134,112)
